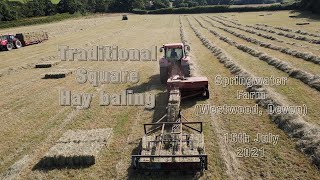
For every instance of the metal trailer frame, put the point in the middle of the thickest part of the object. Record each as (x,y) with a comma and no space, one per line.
(200,165)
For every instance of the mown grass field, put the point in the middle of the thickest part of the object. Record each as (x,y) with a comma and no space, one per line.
(32,120)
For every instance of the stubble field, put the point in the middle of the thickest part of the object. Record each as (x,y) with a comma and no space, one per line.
(253,44)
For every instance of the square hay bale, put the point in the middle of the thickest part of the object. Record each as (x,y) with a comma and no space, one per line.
(45,64)
(76,149)
(57,74)
(95,135)
(301,24)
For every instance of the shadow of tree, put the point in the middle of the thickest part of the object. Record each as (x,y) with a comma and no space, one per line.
(305,15)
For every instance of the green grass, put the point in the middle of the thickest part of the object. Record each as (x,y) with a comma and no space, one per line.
(38,20)
(53,1)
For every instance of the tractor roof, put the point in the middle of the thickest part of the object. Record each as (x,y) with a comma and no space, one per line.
(173,45)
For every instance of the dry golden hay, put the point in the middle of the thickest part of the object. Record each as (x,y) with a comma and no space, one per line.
(32,37)
(290,30)
(307,78)
(307,135)
(75,149)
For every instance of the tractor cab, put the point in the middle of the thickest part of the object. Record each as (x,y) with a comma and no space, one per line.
(174,61)
(175,52)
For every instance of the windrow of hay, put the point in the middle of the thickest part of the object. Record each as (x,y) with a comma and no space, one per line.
(225,19)
(306,134)
(295,53)
(290,30)
(310,40)
(227,153)
(193,70)
(287,35)
(182,33)
(13,70)
(239,27)
(251,31)
(307,78)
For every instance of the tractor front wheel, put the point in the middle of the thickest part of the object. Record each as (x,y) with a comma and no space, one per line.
(9,47)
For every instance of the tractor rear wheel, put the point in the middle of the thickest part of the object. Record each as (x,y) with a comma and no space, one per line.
(18,44)
(163,75)
(9,47)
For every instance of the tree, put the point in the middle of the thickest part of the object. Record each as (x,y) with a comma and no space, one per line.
(313,5)
(50,8)
(158,4)
(71,6)
(7,14)
(102,5)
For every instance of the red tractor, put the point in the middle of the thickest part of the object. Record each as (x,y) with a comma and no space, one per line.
(175,71)
(8,42)
(174,54)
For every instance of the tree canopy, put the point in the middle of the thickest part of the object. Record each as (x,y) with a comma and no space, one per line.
(12,10)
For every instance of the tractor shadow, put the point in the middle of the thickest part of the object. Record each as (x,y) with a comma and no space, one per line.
(154,85)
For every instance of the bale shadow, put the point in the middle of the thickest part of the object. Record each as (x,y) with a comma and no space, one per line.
(56,163)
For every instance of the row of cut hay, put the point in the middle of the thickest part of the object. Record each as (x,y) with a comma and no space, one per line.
(240,27)
(307,78)
(18,68)
(287,35)
(188,53)
(279,28)
(307,135)
(252,32)
(290,30)
(295,53)
(225,19)
(182,33)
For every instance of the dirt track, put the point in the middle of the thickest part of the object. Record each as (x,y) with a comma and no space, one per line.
(32,120)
